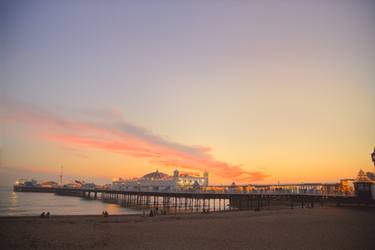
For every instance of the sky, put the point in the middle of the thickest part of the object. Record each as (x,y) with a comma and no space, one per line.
(250,91)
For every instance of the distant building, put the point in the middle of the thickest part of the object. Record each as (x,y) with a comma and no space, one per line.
(158,181)
(26,183)
(364,186)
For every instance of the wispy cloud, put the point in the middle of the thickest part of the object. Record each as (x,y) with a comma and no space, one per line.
(119,136)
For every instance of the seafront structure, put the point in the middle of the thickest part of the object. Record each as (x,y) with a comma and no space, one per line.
(190,192)
(364,186)
(158,181)
(365,182)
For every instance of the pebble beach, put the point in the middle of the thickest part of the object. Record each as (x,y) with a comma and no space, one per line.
(309,228)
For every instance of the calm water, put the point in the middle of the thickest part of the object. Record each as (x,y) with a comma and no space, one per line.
(16,203)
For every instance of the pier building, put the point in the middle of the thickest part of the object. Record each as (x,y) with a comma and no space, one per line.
(158,181)
(365,182)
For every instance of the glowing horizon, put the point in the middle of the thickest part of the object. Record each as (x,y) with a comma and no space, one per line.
(251,92)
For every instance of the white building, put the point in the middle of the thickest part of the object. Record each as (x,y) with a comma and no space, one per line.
(157,181)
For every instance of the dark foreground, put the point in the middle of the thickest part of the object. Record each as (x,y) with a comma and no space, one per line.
(317,228)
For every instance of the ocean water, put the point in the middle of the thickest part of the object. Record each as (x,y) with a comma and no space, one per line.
(23,204)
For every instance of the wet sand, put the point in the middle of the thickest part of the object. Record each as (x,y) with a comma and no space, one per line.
(317,228)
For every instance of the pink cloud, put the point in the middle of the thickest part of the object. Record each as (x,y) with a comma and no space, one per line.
(126,138)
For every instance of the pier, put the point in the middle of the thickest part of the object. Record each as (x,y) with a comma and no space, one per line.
(200,201)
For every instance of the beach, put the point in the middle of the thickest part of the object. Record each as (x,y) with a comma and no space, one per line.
(309,228)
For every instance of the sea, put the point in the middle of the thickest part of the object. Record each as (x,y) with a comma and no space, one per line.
(26,204)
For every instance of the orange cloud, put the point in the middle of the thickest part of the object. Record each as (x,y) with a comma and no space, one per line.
(126,138)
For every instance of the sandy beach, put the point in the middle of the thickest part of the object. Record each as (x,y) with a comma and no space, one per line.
(317,228)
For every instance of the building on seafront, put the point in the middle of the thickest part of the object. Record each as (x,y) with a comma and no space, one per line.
(364,186)
(158,181)
(365,182)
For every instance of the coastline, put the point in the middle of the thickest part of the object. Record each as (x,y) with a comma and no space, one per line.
(308,228)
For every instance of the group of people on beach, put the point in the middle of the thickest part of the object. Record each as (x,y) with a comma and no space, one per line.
(105,213)
(45,215)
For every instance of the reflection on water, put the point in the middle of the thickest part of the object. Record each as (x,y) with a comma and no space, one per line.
(16,203)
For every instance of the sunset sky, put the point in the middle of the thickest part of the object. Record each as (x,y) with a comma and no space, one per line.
(251,91)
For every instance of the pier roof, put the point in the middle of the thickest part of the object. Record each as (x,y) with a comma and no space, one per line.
(155,175)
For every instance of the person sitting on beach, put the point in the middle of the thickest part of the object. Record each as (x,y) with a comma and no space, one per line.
(47,215)
(106,214)
(42,215)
